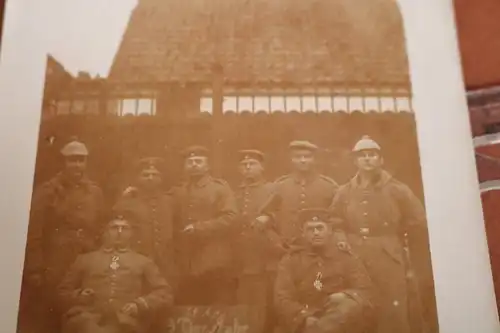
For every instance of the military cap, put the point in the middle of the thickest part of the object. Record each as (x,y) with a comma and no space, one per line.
(195,151)
(150,163)
(314,215)
(302,145)
(251,154)
(365,143)
(74,148)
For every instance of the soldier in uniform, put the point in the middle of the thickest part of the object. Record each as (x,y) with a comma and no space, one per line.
(303,188)
(113,289)
(205,215)
(259,250)
(379,213)
(320,288)
(65,215)
(150,210)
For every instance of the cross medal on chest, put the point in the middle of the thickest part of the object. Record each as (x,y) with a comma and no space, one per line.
(114,263)
(318,285)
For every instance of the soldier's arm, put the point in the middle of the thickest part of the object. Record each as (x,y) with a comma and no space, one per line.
(159,291)
(287,306)
(412,209)
(69,290)
(226,212)
(360,287)
(336,211)
(272,204)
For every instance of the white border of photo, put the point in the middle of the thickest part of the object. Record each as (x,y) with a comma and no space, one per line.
(464,287)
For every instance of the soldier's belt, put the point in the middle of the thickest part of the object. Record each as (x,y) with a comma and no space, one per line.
(373,232)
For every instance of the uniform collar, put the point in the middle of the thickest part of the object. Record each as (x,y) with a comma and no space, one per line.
(112,249)
(202,182)
(309,177)
(62,179)
(255,183)
(383,178)
(328,251)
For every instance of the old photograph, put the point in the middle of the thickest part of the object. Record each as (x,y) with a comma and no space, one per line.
(245,166)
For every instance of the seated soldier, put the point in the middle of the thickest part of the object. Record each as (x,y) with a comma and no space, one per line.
(114,289)
(320,288)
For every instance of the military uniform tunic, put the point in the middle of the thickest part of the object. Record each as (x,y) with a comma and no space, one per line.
(117,278)
(292,194)
(259,253)
(64,215)
(305,280)
(152,218)
(207,254)
(376,219)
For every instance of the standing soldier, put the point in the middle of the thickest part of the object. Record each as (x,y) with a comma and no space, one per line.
(150,210)
(113,289)
(259,251)
(303,188)
(379,213)
(64,223)
(205,215)
(320,288)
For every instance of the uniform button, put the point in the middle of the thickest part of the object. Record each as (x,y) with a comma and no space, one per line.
(364,202)
(302,195)
(302,202)
(79,207)
(365,214)
(385,223)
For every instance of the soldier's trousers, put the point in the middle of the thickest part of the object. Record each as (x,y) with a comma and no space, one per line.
(90,323)
(256,291)
(350,317)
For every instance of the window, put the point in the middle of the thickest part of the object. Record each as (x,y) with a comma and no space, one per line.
(277,103)
(245,103)
(403,104)
(230,104)
(206,104)
(137,107)
(340,103)
(293,103)
(356,103)
(387,104)
(309,103)
(324,103)
(342,100)
(261,103)
(372,104)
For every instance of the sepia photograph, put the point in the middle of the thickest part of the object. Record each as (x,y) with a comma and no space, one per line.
(243,166)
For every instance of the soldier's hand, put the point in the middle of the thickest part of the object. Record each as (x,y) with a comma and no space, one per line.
(336,299)
(344,246)
(130,309)
(189,229)
(260,222)
(310,321)
(87,292)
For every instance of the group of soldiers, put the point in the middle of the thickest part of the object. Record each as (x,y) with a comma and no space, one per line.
(303,253)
